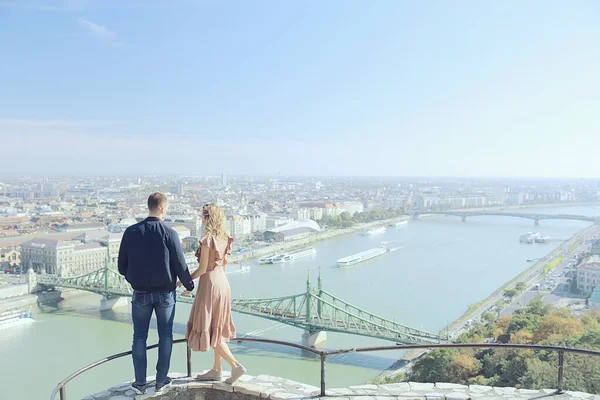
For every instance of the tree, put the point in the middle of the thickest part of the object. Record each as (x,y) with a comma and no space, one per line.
(346,216)
(434,367)
(488,317)
(464,367)
(520,286)
(510,293)
(557,329)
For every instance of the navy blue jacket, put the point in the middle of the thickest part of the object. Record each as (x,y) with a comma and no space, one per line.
(151,257)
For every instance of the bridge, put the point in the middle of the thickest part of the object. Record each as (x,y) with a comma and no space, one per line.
(316,311)
(533,216)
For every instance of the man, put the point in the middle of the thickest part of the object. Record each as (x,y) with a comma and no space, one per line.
(151,259)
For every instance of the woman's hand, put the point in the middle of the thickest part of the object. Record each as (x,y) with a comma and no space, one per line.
(179,284)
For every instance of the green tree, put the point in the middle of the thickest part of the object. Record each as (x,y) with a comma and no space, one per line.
(510,293)
(520,286)
(488,317)
(434,367)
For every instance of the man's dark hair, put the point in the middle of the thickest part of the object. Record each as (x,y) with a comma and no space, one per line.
(156,200)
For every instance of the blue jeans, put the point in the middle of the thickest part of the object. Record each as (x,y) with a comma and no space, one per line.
(143,303)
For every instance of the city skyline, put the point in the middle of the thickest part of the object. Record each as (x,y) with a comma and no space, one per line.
(300,89)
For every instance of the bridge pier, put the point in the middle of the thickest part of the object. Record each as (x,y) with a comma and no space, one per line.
(110,303)
(313,339)
(463,218)
(536,222)
(32,283)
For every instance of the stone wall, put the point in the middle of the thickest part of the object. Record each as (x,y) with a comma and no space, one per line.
(268,387)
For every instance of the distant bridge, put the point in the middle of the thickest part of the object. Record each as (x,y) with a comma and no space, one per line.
(315,311)
(533,216)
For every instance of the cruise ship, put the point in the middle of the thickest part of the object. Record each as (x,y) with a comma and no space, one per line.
(374,231)
(268,258)
(294,255)
(529,237)
(237,269)
(399,223)
(14,316)
(362,256)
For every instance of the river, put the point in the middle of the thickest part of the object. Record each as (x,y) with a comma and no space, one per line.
(442,265)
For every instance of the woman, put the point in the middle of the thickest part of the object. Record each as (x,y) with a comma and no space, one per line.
(210,323)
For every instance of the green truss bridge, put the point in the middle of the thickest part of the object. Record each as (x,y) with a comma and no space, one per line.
(316,311)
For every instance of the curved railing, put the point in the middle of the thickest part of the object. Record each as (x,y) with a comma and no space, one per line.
(61,387)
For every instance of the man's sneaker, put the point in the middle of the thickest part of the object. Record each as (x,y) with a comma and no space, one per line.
(162,386)
(138,388)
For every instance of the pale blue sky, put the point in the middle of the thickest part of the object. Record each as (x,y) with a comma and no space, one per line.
(435,88)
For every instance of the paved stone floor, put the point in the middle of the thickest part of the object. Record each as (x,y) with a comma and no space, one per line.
(269,387)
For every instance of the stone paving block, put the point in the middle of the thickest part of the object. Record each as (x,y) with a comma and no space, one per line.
(528,392)
(339,392)
(223,386)
(450,386)
(199,385)
(363,387)
(457,396)
(284,396)
(579,395)
(396,387)
(505,390)
(102,395)
(417,386)
(266,393)
(248,388)
(362,398)
(435,396)
(119,397)
(480,388)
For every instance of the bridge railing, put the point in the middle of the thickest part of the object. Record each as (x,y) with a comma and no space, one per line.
(62,391)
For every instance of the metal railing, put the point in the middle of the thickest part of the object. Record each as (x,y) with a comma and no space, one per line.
(61,387)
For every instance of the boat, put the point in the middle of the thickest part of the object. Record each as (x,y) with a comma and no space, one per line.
(529,237)
(529,259)
(11,317)
(374,231)
(399,223)
(237,269)
(544,239)
(362,256)
(293,255)
(267,259)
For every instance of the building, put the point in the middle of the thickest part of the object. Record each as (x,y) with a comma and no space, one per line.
(92,226)
(10,256)
(588,275)
(190,244)
(182,232)
(192,223)
(596,247)
(223,179)
(238,226)
(85,253)
(351,207)
(292,231)
(303,213)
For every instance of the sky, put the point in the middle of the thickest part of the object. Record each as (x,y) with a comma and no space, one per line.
(311,87)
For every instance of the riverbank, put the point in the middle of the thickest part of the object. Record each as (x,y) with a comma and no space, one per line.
(314,238)
(532,274)
(28,300)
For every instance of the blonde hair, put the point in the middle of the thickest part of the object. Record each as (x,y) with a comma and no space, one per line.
(214,221)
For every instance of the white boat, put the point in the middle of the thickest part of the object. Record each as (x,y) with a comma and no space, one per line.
(12,317)
(267,259)
(399,223)
(374,231)
(529,237)
(362,256)
(237,269)
(294,255)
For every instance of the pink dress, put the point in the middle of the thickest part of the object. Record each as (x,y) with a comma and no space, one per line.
(210,320)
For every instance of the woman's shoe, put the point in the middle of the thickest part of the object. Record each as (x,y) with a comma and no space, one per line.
(236,373)
(212,375)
